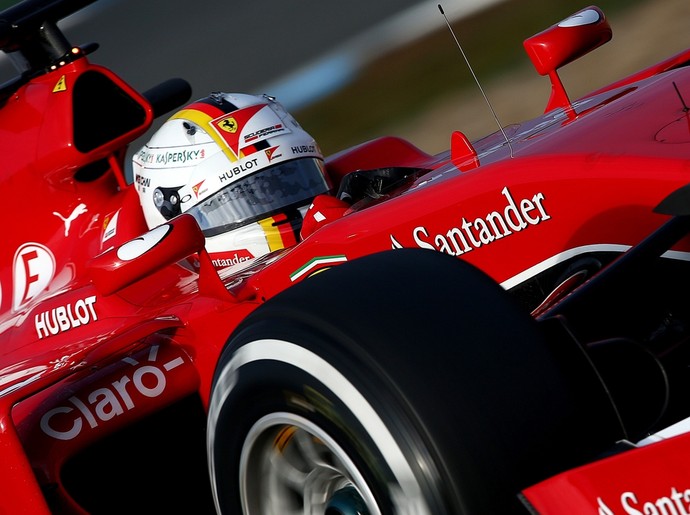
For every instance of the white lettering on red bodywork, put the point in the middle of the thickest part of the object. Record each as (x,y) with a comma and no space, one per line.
(93,408)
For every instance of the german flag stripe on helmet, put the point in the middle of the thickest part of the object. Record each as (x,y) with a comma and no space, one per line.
(219,102)
(279,234)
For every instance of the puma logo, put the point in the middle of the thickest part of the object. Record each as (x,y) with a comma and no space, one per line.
(80,209)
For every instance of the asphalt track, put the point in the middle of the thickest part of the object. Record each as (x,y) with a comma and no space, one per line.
(216,45)
(228,45)
(262,46)
(224,45)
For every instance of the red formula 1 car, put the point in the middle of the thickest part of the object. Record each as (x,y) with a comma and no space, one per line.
(500,328)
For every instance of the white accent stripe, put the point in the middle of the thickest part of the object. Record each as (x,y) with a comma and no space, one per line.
(559,258)
(563,256)
(677,255)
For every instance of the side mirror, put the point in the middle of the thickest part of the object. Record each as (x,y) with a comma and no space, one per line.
(563,43)
(162,246)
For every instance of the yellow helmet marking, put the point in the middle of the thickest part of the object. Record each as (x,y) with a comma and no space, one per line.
(204,121)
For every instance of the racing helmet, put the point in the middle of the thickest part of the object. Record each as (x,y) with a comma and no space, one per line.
(241,165)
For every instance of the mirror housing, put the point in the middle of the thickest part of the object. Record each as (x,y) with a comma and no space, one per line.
(164,245)
(563,43)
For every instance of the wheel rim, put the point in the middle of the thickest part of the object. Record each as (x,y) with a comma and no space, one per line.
(289,465)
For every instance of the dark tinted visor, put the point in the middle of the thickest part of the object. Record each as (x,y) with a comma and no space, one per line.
(261,194)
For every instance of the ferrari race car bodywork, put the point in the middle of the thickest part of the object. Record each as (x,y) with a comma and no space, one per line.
(500,328)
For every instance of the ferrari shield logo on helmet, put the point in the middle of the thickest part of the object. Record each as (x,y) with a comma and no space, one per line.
(228,124)
(248,126)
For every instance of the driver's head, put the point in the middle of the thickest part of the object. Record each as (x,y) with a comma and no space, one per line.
(241,165)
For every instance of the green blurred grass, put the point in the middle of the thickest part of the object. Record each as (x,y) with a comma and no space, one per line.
(412,78)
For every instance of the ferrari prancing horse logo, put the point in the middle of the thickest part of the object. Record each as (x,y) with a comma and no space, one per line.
(228,125)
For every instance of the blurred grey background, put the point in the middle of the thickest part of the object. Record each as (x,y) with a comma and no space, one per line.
(300,49)
(356,69)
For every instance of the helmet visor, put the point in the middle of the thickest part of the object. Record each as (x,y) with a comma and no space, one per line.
(260,195)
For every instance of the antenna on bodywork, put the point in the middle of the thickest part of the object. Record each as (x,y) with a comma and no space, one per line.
(476,80)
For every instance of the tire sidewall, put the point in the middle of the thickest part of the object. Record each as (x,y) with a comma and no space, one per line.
(247,391)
